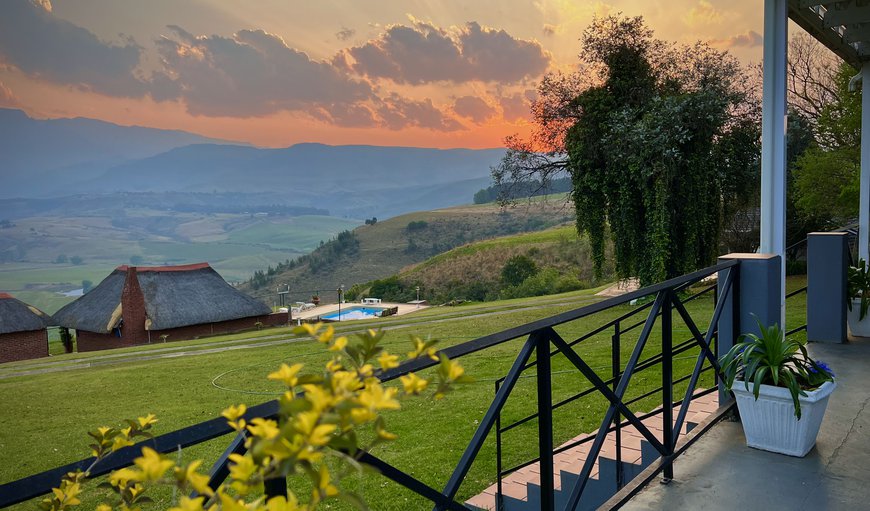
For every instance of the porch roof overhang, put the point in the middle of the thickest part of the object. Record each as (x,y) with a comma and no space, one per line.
(843,26)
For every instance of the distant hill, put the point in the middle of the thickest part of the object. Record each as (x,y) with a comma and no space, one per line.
(44,157)
(352,181)
(383,249)
(561,258)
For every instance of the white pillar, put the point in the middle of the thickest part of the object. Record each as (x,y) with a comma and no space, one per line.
(864,189)
(773,122)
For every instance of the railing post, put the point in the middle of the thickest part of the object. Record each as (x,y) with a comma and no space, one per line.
(667,384)
(275,487)
(754,296)
(545,422)
(827,260)
(499,499)
(616,372)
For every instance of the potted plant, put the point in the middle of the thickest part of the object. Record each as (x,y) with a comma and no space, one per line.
(781,392)
(858,299)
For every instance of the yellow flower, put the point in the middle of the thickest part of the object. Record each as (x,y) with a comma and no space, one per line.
(188,504)
(413,384)
(325,488)
(68,493)
(339,344)
(287,374)
(383,434)
(345,382)
(306,421)
(334,365)
(233,415)
(455,371)
(197,481)
(380,398)
(319,398)
(388,361)
(308,328)
(120,478)
(321,435)
(105,507)
(280,503)
(152,464)
(366,371)
(422,348)
(230,503)
(326,336)
(264,428)
(147,421)
(242,468)
(120,441)
(373,398)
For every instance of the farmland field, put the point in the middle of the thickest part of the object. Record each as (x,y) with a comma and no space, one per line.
(50,255)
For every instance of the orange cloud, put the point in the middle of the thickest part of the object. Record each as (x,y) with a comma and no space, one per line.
(7,98)
(704,13)
(747,39)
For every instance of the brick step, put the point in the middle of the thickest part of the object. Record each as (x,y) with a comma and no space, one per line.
(521,489)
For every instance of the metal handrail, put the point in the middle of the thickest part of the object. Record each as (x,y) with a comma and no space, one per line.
(540,336)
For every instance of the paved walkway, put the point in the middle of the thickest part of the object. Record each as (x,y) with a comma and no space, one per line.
(403,308)
(720,472)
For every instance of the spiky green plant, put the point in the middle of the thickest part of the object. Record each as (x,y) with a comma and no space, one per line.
(772,359)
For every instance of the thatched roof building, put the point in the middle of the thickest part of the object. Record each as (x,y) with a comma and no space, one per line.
(17,316)
(22,330)
(133,303)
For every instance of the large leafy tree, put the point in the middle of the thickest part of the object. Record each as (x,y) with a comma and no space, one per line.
(827,174)
(660,142)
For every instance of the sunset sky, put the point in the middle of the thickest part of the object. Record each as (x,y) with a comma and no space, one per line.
(275,73)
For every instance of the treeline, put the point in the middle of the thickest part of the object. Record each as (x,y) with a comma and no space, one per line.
(271,209)
(322,259)
(522,189)
(520,276)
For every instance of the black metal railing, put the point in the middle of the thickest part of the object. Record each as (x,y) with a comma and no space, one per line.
(616,372)
(544,342)
(802,327)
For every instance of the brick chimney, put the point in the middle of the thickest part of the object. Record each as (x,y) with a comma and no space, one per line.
(133,309)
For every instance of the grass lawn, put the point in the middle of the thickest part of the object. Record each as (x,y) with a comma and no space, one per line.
(46,416)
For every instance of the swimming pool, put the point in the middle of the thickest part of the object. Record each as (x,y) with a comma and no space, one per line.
(354,312)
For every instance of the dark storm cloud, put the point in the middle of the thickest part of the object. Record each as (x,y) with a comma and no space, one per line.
(43,46)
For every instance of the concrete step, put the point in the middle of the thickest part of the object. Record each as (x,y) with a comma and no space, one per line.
(521,489)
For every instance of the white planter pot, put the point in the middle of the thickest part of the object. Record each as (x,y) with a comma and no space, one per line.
(858,328)
(769,423)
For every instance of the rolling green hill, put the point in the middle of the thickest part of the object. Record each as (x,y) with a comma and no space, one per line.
(556,260)
(385,248)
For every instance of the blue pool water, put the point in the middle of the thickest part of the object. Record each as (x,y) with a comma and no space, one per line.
(354,312)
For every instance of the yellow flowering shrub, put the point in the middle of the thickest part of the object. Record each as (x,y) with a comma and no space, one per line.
(321,416)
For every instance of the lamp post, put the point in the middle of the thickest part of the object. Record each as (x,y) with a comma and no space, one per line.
(418,297)
(340,291)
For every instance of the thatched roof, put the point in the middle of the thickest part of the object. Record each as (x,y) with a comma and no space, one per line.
(94,310)
(17,316)
(174,296)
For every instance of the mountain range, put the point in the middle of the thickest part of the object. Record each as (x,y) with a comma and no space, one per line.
(62,157)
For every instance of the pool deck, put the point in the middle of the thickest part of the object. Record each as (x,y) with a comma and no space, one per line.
(404,308)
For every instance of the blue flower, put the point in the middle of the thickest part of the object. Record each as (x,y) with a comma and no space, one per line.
(823,366)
